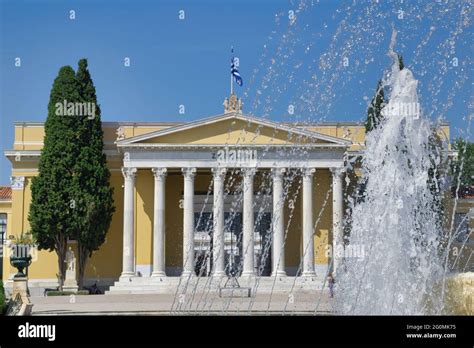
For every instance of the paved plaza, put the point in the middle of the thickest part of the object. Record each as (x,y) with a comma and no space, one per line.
(168,304)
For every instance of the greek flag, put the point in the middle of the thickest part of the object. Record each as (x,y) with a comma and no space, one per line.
(235,72)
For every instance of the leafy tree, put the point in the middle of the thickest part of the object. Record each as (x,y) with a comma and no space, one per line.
(50,214)
(91,183)
(462,168)
(436,172)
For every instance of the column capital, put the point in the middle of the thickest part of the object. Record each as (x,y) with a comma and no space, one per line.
(308,172)
(17,182)
(337,171)
(277,173)
(129,173)
(189,173)
(159,172)
(219,172)
(249,172)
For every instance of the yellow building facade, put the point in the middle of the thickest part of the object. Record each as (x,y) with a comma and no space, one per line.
(227,194)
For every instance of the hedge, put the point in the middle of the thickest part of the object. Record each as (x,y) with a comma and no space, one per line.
(67,293)
(3,303)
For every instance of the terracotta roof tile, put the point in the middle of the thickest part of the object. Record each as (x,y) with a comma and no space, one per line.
(5,193)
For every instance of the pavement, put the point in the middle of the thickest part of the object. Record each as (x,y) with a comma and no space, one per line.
(315,303)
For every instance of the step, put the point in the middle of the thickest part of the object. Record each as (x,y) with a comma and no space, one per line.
(169,285)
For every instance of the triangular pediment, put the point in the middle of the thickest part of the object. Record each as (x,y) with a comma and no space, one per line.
(233,129)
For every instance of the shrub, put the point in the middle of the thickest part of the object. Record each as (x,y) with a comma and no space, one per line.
(67,293)
(3,303)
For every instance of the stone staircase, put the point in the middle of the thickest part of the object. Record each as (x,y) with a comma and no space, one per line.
(193,284)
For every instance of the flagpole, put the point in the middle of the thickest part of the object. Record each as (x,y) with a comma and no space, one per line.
(231,77)
(231,84)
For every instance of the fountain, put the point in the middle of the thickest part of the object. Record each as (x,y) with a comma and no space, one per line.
(395,221)
(402,238)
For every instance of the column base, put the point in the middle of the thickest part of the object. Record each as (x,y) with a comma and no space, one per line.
(247,274)
(187,274)
(219,274)
(158,274)
(126,276)
(279,274)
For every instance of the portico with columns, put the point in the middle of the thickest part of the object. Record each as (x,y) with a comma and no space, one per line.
(197,201)
(230,148)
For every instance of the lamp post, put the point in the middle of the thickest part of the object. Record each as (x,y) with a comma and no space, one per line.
(1,256)
(3,229)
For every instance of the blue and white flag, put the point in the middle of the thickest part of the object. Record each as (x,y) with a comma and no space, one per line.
(235,72)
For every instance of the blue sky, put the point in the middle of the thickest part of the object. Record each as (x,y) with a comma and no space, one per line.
(283,61)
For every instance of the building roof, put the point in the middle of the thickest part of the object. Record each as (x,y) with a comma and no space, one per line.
(5,193)
(232,116)
(171,124)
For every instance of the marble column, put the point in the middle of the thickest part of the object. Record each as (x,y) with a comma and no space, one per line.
(159,223)
(188,221)
(128,265)
(308,241)
(218,221)
(248,223)
(337,211)
(278,245)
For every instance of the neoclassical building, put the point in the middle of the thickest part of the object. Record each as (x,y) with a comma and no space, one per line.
(225,195)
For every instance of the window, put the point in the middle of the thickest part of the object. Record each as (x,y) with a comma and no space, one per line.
(461,227)
(233,222)
(3,227)
(203,222)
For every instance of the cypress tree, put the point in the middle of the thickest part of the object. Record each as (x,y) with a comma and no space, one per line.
(92,178)
(374,112)
(51,209)
(401,65)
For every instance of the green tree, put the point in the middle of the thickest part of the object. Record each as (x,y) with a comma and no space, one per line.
(374,112)
(50,214)
(436,172)
(91,183)
(3,301)
(462,168)
(401,65)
